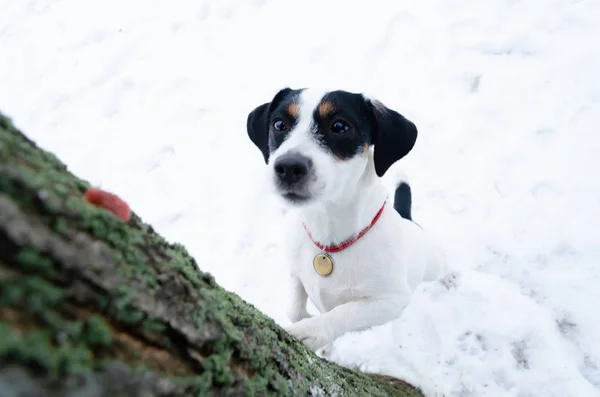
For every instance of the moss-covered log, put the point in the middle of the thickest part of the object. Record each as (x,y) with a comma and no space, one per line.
(94,306)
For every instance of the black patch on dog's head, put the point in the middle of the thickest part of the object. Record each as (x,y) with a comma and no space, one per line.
(363,123)
(259,123)
(343,124)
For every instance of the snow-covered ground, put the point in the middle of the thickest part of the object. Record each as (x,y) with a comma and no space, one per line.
(149,99)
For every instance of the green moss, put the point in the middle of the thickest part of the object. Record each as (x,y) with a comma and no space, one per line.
(96,332)
(180,261)
(37,293)
(199,386)
(61,226)
(122,309)
(257,386)
(154,326)
(59,344)
(31,260)
(218,366)
(38,349)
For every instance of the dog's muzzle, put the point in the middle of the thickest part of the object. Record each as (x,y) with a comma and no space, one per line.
(292,171)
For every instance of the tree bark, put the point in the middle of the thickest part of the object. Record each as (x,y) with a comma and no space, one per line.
(94,306)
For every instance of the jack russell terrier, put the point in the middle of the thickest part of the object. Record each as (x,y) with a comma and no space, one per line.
(357,256)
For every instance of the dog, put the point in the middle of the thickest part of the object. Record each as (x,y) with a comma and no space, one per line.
(357,256)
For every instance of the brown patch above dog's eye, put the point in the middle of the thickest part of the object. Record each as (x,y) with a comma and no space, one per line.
(365,149)
(326,109)
(293,109)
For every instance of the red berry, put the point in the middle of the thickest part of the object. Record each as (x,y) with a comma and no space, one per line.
(109,201)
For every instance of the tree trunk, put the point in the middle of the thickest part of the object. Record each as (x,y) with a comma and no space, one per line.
(94,306)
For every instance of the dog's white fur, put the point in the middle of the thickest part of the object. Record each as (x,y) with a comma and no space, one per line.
(373,279)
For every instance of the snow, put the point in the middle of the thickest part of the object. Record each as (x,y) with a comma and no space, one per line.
(149,100)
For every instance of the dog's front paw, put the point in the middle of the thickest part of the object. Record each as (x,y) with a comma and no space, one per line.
(312,335)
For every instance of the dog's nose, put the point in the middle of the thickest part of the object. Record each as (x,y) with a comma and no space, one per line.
(292,167)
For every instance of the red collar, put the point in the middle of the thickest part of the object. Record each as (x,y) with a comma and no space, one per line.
(349,241)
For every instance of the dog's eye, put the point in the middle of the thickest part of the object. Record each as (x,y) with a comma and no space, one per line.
(339,127)
(279,125)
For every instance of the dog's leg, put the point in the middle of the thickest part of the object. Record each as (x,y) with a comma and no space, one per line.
(298,297)
(355,316)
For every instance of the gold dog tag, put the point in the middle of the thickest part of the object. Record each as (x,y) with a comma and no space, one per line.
(323,264)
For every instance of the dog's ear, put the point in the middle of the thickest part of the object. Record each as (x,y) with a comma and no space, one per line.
(394,136)
(257,123)
(258,128)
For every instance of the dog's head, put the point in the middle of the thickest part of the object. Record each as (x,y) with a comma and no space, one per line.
(317,142)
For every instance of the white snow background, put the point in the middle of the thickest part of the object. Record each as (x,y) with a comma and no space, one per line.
(149,99)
